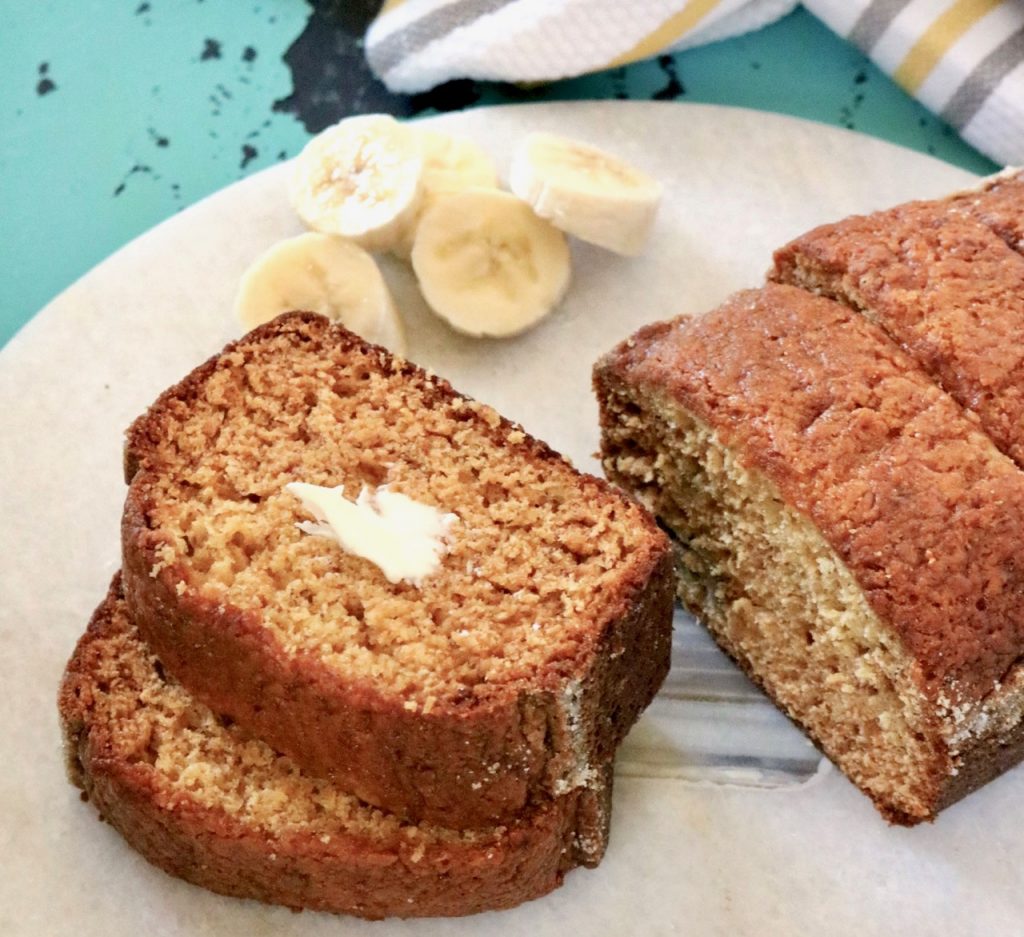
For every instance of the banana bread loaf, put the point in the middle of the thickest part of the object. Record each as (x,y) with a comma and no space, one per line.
(206,802)
(944,285)
(846,532)
(505,679)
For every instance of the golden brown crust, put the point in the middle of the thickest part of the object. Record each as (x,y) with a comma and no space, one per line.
(919,505)
(943,286)
(354,873)
(998,204)
(460,766)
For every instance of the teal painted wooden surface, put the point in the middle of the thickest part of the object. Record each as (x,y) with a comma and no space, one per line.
(115,114)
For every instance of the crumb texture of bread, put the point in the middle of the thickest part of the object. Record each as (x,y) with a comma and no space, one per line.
(944,286)
(846,532)
(491,680)
(203,800)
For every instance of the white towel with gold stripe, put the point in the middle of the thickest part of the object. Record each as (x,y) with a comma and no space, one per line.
(964,59)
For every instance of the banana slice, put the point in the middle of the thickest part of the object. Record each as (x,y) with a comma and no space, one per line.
(487,264)
(359,179)
(320,273)
(450,164)
(586,192)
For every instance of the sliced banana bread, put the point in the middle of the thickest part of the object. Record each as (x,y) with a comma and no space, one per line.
(206,802)
(943,285)
(848,535)
(505,679)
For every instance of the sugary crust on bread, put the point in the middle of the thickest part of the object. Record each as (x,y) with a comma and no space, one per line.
(924,511)
(464,765)
(375,867)
(998,203)
(942,281)
(981,761)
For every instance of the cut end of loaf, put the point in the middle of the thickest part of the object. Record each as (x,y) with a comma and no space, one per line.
(779,601)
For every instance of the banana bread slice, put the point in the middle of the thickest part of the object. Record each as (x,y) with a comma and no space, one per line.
(943,285)
(847,534)
(505,679)
(206,802)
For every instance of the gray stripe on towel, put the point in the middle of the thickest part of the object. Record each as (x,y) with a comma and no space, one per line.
(874,21)
(978,86)
(389,52)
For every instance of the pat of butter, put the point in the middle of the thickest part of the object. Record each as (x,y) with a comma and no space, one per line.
(402,537)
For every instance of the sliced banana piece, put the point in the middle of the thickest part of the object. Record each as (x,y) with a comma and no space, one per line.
(450,164)
(359,179)
(324,274)
(591,194)
(487,264)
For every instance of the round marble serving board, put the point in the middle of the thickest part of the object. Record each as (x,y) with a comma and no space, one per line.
(755,856)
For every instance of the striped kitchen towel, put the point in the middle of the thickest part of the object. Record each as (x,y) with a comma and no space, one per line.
(964,59)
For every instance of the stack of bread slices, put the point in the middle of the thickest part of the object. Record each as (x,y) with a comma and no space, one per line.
(262,711)
(839,458)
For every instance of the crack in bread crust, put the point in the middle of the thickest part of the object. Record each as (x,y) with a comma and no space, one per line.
(943,286)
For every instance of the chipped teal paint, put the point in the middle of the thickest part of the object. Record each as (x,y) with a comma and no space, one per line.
(118,77)
(173,91)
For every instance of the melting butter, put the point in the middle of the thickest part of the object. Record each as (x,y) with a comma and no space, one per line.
(402,537)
